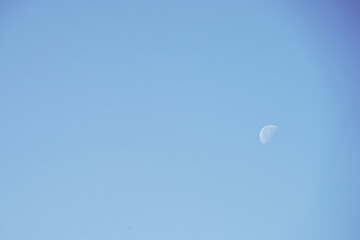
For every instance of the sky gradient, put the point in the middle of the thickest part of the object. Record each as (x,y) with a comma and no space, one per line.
(140,120)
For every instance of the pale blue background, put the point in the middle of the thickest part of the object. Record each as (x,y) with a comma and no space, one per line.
(139,120)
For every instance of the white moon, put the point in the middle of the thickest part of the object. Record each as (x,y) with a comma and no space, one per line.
(266,133)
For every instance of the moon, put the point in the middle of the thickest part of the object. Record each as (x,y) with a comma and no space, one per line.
(266,133)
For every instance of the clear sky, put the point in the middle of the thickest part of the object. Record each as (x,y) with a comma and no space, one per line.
(140,120)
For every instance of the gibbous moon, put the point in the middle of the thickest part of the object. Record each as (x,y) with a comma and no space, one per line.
(266,133)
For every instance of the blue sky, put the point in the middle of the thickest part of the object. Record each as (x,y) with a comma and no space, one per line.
(140,120)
